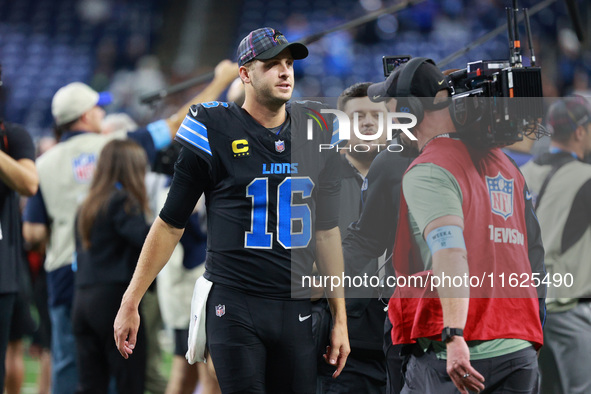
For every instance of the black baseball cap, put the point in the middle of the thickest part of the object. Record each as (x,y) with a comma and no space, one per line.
(565,115)
(266,43)
(427,80)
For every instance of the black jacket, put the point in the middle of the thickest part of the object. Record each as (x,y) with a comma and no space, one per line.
(116,240)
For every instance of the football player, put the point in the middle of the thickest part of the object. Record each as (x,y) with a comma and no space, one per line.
(272,206)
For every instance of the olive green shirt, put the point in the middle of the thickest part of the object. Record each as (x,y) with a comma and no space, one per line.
(430,193)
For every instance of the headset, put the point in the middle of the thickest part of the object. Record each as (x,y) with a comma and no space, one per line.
(406,101)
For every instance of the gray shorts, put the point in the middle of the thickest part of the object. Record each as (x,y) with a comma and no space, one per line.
(511,373)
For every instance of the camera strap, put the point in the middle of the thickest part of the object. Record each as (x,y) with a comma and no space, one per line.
(555,167)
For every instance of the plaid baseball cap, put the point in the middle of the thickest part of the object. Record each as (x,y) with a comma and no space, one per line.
(565,115)
(266,43)
(427,80)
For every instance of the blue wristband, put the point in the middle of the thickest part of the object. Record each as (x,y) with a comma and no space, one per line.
(160,133)
(445,237)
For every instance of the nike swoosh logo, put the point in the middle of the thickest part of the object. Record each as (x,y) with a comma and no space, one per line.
(439,83)
(302,318)
(528,195)
(193,112)
(377,97)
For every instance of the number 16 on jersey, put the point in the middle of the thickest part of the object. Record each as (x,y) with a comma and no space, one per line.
(288,213)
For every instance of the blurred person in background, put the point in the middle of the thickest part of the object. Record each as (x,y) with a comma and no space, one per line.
(118,122)
(365,371)
(39,348)
(17,176)
(236,92)
(560,183)
(22,326)
(175,288)
(112,224)
(177,280)
(65,173)
(520,151)
(155,382)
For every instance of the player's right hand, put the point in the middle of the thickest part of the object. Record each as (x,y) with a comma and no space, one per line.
(125,329)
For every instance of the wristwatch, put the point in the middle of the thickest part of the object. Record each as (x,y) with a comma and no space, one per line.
(448,333)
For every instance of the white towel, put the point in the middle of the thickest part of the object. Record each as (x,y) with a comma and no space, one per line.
(197,337)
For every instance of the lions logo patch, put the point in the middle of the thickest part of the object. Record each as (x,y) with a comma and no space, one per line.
(500,191)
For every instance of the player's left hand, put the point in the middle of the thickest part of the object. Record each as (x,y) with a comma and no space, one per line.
(459,369)
(125,329)
(339,349)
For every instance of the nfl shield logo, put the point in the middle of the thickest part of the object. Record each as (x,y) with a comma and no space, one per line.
(279,146)
(83,167)
(220,310)
(500,191)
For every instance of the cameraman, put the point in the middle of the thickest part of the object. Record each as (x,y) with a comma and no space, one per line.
(447,216)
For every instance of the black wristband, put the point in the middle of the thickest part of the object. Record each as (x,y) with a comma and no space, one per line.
(449,332)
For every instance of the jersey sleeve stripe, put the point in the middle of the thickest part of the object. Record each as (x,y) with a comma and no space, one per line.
(195,126)
(191,139)
(198,123)
(193,133)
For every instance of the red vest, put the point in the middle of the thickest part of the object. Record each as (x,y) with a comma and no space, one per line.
(496,241)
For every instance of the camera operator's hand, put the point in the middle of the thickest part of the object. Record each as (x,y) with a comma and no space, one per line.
(226,72)
(464,376)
